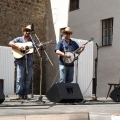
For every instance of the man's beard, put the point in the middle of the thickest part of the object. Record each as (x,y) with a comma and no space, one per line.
(67,38)
(27,36)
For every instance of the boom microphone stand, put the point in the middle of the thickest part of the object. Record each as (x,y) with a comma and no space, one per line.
(40,56)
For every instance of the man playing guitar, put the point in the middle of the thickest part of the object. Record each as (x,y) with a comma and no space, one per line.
(63,48)
(24,64)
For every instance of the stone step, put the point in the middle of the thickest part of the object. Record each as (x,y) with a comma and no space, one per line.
(77,116)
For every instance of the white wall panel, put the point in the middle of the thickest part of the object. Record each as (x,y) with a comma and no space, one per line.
(84,68)
(60,11)
(7,69)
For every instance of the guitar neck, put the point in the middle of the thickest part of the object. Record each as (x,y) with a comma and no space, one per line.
(49,42)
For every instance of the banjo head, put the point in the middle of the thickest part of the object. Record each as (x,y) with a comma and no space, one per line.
(69,60)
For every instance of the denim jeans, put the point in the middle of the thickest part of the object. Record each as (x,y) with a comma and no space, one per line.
(66,73)
(23,79)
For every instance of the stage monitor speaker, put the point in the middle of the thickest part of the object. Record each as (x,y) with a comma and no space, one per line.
(115,94)
(2,96)
(64,93)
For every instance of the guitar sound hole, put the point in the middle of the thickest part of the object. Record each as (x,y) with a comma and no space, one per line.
(26,48)
(22,51)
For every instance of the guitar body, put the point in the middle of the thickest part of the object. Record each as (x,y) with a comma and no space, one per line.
(19,54)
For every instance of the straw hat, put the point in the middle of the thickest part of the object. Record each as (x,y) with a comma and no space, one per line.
(67,29)
(26,28)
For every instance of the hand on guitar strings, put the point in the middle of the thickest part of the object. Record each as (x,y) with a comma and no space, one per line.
(21,48)
(67,56)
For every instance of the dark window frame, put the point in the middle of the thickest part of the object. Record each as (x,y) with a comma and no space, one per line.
(76,6)
(61,35)
(107,28)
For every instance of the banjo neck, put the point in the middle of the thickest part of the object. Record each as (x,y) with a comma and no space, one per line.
(83,44)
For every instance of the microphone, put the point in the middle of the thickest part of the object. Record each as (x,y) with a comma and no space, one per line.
(96,44)
(32,27)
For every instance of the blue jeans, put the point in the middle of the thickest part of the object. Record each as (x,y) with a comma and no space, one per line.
(66,73)
(23,79)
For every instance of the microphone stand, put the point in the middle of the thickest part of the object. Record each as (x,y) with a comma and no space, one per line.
(42,49)
(95,79)
(96,66)
(76,69)
(40,98)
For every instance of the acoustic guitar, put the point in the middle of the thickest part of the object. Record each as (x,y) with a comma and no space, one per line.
(28,48)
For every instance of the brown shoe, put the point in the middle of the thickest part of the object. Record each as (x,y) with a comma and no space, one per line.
(17,97)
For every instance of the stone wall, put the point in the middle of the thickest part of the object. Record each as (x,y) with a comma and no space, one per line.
(14,14)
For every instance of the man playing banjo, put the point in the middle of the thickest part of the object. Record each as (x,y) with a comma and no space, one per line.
(64,49)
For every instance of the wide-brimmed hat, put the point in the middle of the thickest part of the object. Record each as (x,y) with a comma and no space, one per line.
(67,29)
(26,28)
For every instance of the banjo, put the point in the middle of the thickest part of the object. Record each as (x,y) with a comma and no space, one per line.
(69,61)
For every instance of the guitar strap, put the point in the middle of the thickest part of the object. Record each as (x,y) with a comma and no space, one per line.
(65,48)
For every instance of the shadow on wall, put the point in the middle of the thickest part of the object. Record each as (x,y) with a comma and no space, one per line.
(50,71)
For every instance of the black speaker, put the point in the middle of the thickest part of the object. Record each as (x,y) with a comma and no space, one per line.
(2,96)
(64,93)
(115,94)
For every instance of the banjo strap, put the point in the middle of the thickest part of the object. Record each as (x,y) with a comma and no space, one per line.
(64,49)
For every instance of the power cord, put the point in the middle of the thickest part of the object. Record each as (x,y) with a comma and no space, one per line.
(87,88)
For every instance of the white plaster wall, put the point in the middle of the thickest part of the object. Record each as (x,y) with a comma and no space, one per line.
(85,23)
(57,18)
(7,69)
(60,12)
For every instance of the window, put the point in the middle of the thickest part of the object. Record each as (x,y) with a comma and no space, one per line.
(74,5)
(107,32)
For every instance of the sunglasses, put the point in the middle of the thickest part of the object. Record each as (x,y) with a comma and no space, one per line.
(28,30)
(68,33)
